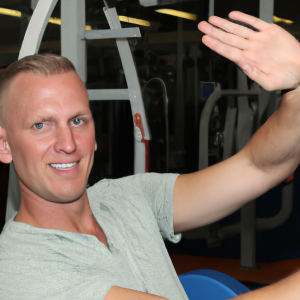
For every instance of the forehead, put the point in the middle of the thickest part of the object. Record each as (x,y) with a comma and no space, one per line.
(30,93)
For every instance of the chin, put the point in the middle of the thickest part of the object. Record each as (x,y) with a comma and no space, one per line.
(67,194)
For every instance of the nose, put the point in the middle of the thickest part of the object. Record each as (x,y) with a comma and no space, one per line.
(65,140)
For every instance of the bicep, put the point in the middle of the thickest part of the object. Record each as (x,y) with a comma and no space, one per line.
(118,293)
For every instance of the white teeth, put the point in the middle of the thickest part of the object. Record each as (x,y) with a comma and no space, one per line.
(64,166)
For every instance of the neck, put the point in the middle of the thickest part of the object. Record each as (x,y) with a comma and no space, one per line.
(73,217)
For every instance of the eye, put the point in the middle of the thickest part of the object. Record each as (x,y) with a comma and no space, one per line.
(38,126)
(77,121)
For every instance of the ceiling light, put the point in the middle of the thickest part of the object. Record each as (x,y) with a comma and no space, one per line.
(134,21)
(10,12)
(177,13)
(56,21)
(276,20)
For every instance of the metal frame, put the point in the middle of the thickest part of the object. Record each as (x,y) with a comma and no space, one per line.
(205,117)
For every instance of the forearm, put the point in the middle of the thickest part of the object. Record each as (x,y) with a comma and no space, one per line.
(118,293)
(286,289)
(213,193)
(275,148)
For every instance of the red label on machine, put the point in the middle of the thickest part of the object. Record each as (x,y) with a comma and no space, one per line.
(139,124)
(291,178)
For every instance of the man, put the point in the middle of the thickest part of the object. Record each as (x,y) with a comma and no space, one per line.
(66,243)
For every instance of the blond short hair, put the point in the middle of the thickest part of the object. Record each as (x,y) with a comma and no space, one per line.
(42,65)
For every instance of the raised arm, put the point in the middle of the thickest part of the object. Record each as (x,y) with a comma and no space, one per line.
(271,57)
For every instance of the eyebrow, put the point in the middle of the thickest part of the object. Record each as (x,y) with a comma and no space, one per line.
(38,119)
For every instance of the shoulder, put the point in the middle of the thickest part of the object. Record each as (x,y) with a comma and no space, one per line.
(146,182)
(16,240)
(7,234)
(141,190)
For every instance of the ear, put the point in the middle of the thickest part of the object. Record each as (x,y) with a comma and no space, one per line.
(96,147)
(5,153)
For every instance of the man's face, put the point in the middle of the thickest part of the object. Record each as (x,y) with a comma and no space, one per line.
(50,131)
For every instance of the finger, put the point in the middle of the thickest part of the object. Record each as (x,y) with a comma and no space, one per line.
(255,22)
(222,36)
(225,50)
(233,28)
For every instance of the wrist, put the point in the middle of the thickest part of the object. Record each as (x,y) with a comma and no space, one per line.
(283,92)
(291,98)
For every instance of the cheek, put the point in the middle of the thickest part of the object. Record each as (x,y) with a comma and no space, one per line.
(29,152)
(86,142)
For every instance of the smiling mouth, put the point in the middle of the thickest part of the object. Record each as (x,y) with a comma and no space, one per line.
(64,167)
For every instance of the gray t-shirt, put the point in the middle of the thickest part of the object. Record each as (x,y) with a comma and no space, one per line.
(134,213)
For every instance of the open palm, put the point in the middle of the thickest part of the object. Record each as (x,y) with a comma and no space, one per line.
(270,57)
